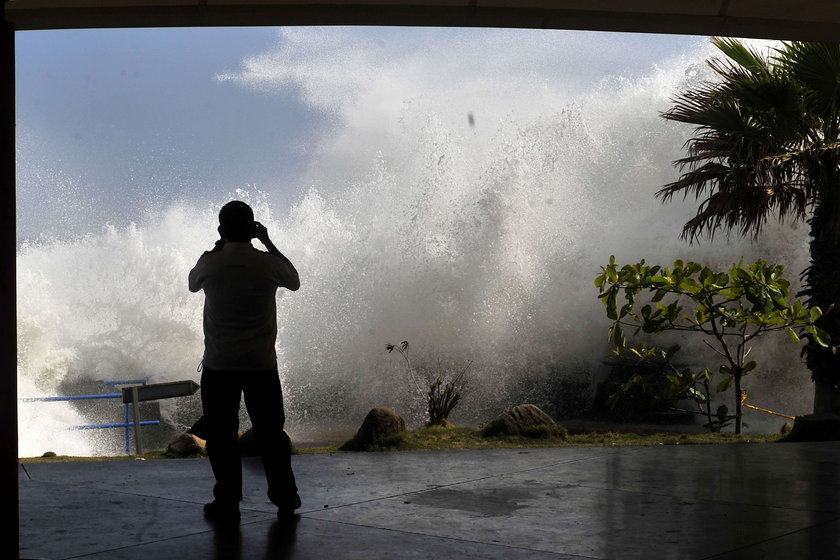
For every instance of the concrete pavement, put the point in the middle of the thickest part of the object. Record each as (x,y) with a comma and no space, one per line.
(722,502)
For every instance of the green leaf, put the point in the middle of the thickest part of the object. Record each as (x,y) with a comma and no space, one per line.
(821,337)
(724,385)
(659,281)
(793,335)
(611,305)
(779,300)
(618,337)
(625,309)
(740,275)
(697,395)
(690,285)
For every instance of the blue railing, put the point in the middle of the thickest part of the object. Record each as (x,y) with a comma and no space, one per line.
(127,424)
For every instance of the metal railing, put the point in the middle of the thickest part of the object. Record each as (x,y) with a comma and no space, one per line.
(127,424)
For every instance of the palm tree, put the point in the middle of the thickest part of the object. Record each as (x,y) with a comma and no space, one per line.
(765,146)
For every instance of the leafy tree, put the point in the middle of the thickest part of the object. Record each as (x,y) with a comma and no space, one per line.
(766,145)
(731,309)
(671,384)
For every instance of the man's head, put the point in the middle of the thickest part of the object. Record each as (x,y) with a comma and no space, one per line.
(236,221)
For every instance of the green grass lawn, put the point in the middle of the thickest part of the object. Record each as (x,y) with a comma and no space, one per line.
(435,438)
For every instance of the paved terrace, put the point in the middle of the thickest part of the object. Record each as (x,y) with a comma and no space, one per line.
(770,501)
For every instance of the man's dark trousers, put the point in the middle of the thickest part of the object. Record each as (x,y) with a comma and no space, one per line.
(220,397)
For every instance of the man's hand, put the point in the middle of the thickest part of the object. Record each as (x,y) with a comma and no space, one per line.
(261,233)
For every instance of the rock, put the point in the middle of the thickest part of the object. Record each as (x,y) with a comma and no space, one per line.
(787,428)
(519,420)
(379,424)
(198,429)
(248,443)
(187,445)
(815,427)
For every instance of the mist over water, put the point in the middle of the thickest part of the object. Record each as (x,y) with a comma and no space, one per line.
(476,242)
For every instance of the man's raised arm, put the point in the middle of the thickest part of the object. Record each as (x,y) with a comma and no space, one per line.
(292,279)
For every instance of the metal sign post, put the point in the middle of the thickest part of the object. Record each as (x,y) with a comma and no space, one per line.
(153,392)
(138,441)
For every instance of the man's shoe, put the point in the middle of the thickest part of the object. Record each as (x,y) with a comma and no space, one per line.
(221,512)
(287,512)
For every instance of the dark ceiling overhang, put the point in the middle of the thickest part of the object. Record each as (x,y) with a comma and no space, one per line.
(808,20)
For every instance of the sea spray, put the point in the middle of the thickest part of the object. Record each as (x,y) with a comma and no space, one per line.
(477,242)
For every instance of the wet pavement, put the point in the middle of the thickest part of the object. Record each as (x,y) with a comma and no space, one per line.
(722,502)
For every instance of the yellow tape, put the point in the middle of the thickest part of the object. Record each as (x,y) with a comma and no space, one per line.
(744,400)
(770,411)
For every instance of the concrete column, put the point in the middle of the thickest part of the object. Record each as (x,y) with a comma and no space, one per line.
(8,299)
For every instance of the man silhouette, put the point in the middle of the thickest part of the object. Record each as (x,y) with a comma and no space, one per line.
(240,331)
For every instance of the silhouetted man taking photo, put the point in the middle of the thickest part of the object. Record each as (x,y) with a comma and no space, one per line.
(240,331)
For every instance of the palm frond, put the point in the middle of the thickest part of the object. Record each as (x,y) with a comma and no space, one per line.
(816,66)
(759,148)
(744,57)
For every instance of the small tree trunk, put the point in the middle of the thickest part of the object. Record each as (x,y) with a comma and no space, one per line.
(708,404)
(737,403)
(826,398)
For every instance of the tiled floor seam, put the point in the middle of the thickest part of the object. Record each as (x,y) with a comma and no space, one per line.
(567,462)
(451,484)
(126,493)
(130,546)
(707,500)
(460,482)
(440,537)
(483,543)
(25,471)
(771,539)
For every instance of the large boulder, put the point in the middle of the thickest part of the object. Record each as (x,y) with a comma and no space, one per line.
(248,443)
(187,445)
(524,420)
(815,427)
(198,429)
(247,440)
(380,424)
